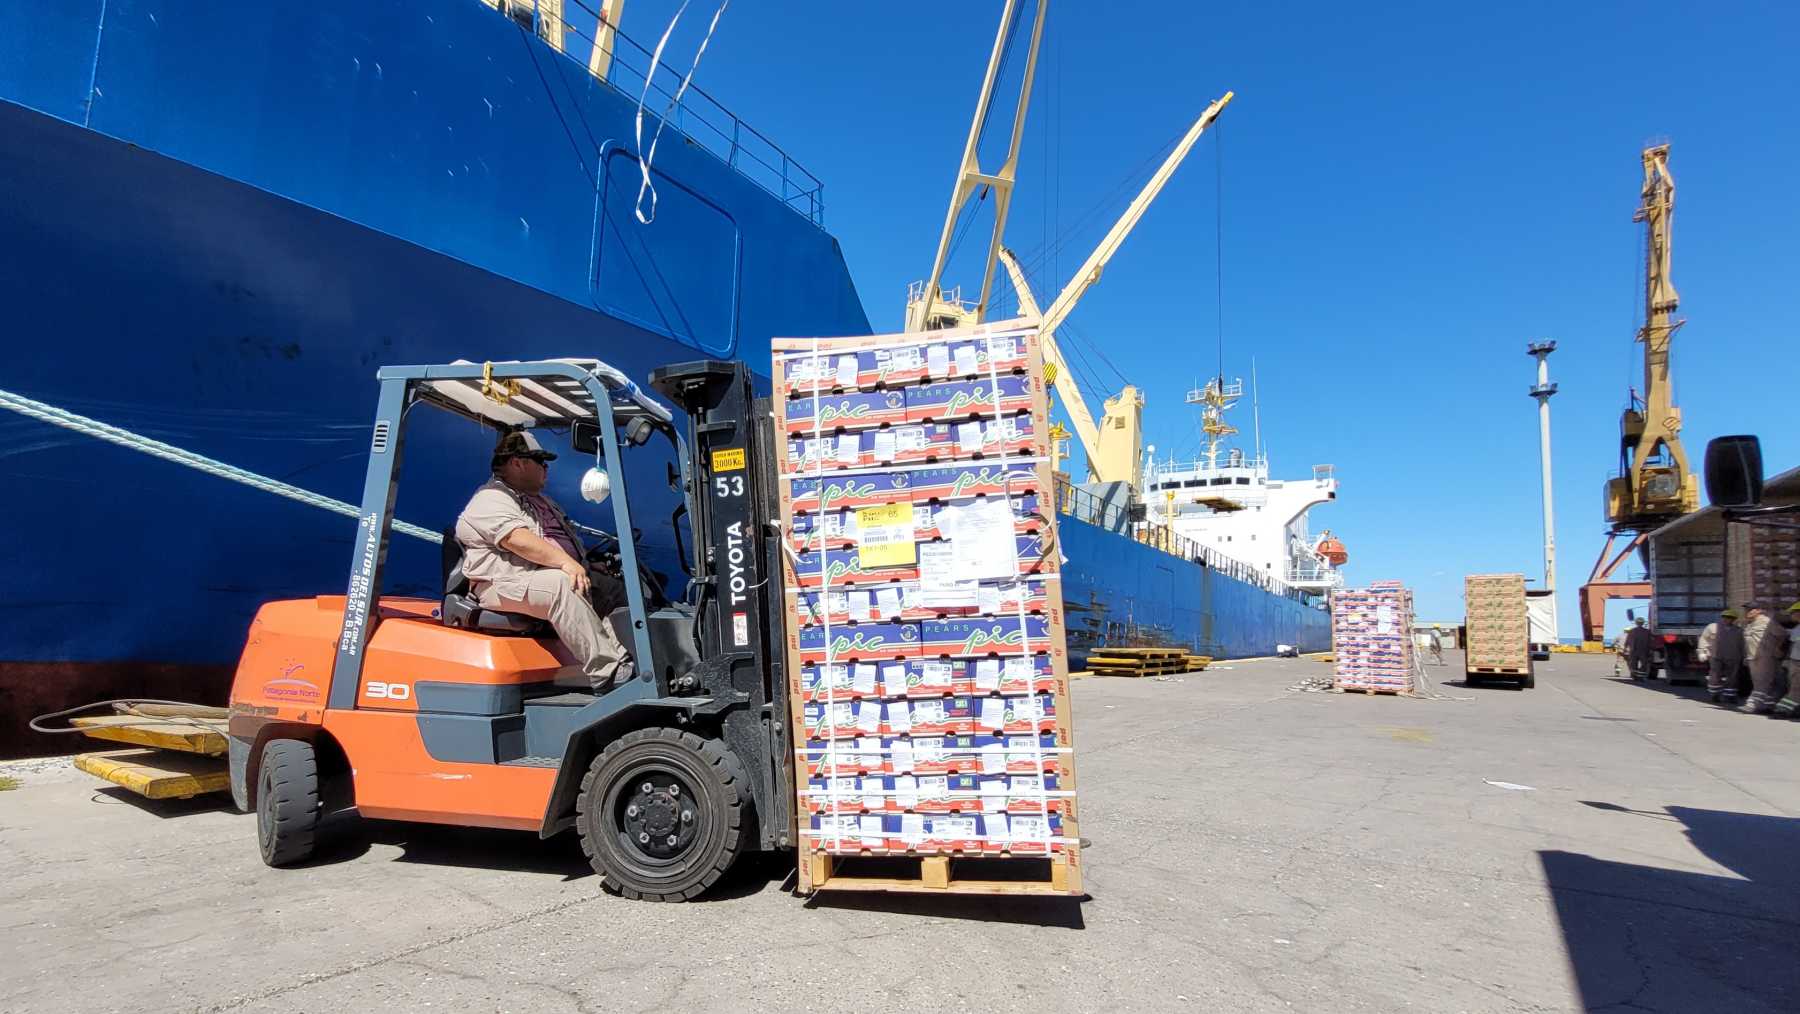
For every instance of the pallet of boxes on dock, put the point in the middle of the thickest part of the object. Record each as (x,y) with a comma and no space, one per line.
(1371,638)
(926,650)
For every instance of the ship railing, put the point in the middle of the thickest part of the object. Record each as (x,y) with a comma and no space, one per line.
(697,115)
(1078,503)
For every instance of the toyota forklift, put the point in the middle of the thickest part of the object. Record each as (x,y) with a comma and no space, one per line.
(445,712)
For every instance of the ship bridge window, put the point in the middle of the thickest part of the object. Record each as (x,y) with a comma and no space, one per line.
(1222,481)
(1194,482)
(1243,480)
(679,275)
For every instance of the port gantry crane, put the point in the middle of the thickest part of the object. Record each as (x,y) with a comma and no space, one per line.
(1654,485)
(1113,446)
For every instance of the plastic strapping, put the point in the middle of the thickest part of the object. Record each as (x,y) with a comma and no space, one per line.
(1036,708)
(644,159)
(829,725)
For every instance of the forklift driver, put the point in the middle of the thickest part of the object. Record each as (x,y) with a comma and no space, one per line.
(522,555)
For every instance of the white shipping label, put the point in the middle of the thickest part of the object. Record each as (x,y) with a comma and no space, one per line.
(928,712)
(874,794)
(909,438)
(966,360)
(1002,349)
(1018,669)
(838,715)
(872,832)
(953,827)
(899,717)
(843,787)
(893,678)
(927,748)
(869,752)
(1025,790)
(935,675)
(1030,827)
(987,600)
(849,448)
(900,760)
(884,446)
(846,371)
(934,788)
(968,436)
(938,581)
(937,360)
(992,787)
(864,681)
(860,605)
(987,674)
(993,713)
(868,716)
(887,602)
(1019,750)
(906,791)
(908,358)
(912,828)
(1384,619)
(993,759)
(999,827)
(983,543)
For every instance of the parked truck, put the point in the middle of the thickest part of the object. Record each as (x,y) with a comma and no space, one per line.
(1700,564)
(1498,629)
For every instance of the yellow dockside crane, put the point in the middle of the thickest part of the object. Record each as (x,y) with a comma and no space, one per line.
(1654,485)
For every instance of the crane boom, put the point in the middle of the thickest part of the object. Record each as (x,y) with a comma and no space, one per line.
(1655,483)
(1073,403)
(1065,301)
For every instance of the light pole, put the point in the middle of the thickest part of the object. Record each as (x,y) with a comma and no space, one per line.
(1542,391)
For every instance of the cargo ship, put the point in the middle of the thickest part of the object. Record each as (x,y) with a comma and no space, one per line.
(222,218)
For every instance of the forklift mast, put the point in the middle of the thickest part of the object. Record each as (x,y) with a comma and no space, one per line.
(736,585)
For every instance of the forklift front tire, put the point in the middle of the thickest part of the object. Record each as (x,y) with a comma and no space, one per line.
(287,802)
(662,814)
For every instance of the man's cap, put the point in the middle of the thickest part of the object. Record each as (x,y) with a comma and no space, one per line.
(1639,622)
(522,444)
(1730,614)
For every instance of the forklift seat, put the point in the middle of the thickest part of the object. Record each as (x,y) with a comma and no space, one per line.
(461,610)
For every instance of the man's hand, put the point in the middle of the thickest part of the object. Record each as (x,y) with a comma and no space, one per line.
(578,575)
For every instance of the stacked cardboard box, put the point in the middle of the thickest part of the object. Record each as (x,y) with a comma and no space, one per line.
(1499,632)
(926,648)
(1371,637)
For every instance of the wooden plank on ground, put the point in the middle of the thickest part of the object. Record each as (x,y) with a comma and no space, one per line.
(157,774)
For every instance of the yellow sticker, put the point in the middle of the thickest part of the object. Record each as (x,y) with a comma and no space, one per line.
(884,536)
(730,459)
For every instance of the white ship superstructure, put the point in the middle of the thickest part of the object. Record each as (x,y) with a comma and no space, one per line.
(1226,501)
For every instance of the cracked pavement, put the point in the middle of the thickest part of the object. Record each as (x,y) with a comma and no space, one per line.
(1252,849)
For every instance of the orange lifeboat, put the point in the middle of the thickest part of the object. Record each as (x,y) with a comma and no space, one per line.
(1332,550)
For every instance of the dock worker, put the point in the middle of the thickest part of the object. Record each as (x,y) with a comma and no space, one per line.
(1756,627)
(1722,649)
(1637,650)
(521,554)
(1789,705)
(1765,663)
(1437,645)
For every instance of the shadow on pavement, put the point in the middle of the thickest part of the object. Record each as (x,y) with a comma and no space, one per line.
(346,836)
(210,802)
(1646,938)
(1056,913)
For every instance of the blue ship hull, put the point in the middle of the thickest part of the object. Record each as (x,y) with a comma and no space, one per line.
(220,218)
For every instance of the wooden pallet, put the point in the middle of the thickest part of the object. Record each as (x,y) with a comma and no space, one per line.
(1389,691)
(1491,670)
(1058,875)
(1114,661)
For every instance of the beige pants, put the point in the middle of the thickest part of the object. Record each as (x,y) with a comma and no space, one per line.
(550,595)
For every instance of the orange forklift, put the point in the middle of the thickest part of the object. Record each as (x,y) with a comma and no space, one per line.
(445,712)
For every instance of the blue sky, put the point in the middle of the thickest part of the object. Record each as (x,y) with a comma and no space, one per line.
(1411,193)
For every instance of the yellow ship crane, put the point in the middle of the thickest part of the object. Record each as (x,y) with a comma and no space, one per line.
(1654,484)
(1113,446)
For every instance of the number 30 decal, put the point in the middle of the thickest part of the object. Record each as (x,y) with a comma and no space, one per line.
(388,691)
(728,485)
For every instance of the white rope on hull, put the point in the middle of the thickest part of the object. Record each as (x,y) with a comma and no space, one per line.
(42,412)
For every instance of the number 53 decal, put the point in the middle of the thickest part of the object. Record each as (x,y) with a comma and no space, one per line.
(728,485)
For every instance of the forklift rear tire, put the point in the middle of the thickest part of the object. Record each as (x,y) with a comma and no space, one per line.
(287,802)
(662,814)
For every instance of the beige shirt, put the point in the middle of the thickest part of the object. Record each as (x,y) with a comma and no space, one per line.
(493,513)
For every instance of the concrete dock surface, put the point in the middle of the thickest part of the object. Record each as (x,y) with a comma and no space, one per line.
(1591,844)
